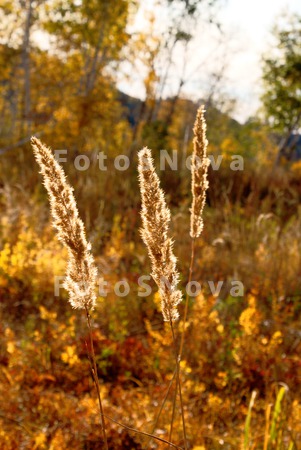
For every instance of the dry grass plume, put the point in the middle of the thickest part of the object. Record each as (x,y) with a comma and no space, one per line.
(155,234)
(199,169)
(81,270)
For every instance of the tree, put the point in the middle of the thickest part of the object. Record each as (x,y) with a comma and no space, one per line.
(282,80)
(191,6)
(17,19)
(170,65)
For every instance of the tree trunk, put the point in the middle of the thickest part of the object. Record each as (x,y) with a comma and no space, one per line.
(26,66)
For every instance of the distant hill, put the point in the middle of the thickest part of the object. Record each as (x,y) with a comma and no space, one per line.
(132,107)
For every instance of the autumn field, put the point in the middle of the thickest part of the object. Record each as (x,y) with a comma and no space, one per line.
(94,352)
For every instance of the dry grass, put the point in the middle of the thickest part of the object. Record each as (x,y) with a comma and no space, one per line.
(218,370)
(155,234)
(81,271)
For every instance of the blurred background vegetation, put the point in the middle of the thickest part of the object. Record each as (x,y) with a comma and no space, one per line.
(62,65)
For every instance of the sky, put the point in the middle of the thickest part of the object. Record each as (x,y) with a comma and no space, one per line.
(247,26)
(253,20)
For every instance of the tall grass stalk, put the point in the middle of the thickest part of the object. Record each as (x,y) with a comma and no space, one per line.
(275,429)
(178,386)
(158,415)
(248,421)
(267,426)
(95,377)
(199,185)
(81,269)
(187,299)
(155,231)
(155,234)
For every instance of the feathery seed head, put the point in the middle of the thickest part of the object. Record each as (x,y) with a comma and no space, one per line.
(155,234)
(199,170)
(81,270)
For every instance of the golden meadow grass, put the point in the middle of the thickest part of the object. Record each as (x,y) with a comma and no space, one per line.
(134,399)
(81,275)
(81,270)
